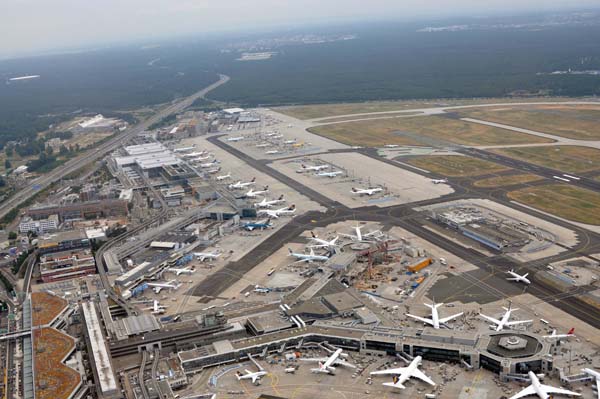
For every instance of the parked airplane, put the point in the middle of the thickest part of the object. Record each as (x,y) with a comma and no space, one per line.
(157,308)
(158,287)
(320,243)
(194,154)
(504,322)
(517,277)
(330,174)
(391,146)
(207,255)
(224,177)
(257,225)
(234,139)
(596,377)
(254,194)
(201,158)
(316,168)
(366,191)
(554,335)
(541,390)
(311,257)
(209,164)
(293,141)
(272,152)
(261,290)
(178,271)
(263,145)
(255,377)
(403,374)
(267,204)
(439,181)
(240,185)
(275,213)
(327,364)
(435,320)
(358,236)
(214,170)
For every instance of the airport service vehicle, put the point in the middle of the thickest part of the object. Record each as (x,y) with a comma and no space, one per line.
(518,278)
(275,213)
(435,320)
(327,364)
(206,255)
(311,257)
(504,322)
(366,191)
(267,204)
(403,374)
(240,185)
(541,390)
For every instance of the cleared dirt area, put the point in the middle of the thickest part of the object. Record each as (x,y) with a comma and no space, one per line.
(565,201)
(575,122)
(564,158)
(510,180)
(456,165)
(406,131)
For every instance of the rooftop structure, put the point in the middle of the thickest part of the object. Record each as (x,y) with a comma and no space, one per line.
(135,325)
(45,308)
(142,149)
(41,226)
(80,210)
(53,379)
(66,265)
(103,369)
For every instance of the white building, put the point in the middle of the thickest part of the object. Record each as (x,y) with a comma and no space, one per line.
(39,226)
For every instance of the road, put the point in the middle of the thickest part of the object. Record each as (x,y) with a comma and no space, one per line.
(100,151)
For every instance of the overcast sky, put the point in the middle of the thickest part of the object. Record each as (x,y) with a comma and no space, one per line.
(28,26)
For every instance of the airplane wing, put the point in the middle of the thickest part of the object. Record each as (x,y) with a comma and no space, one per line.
(560,391)
(424,320)
(447,319)
(513,278)
(495,321)
(514,323)
(525,392)
(397,371)
(254,378)
(420,375)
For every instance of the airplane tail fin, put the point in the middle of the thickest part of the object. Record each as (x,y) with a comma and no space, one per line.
(292,207)
(572,330)
(313,234)
(281,197)
(266,188)
(253,179)
(290,251)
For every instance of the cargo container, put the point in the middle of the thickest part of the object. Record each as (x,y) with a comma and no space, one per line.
(420,264)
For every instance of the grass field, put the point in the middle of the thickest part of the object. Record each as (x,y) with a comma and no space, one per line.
(510,180)
(314,111)
(456,165)
(564,158)
(389,131)
(574,122)
(565,201)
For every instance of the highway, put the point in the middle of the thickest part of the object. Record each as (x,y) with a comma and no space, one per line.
(100,151)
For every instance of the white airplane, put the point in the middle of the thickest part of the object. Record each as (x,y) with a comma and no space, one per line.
(207,255)
(214,170)
(435,320)
(240,185)
(272,152)
(327,364)
(311,257)
(254,194)
(267,204)
(358,236)
(293,141)
(517,277)
(263,145)
(272,134)
(234,139)
(178,271)
(201,158)
(157,308)
(439,181)
(330,174)
(541,390)
(320,243)
(158,287)
(194,154)
(504,322)
(255,377)
(261,290)
(595,376)
(224,177)
(391,146)
(366,191)
(276,213)
(209,164)
(403,374)
(554,335)
(316,168)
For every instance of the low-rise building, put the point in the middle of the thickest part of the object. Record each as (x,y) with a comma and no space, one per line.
(41,226)
(65,265)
